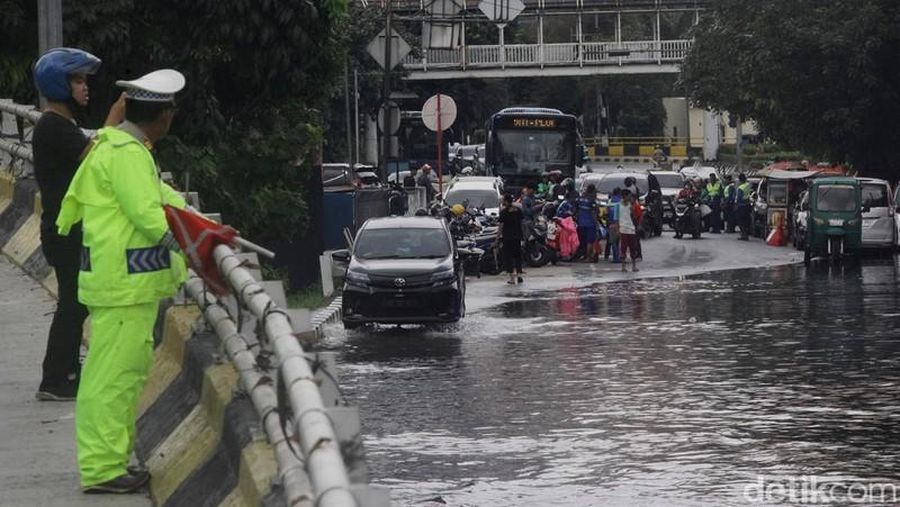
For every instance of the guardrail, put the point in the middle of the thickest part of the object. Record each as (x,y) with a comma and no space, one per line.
(317,475)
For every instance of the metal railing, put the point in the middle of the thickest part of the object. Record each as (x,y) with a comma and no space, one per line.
(554,54)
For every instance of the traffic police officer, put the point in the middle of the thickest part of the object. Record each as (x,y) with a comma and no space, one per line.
(714,197)
(128,264)
(728,203)
(742,206)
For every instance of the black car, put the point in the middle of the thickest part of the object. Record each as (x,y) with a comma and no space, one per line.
(403,270)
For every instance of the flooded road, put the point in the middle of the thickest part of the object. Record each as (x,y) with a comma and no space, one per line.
(650,392)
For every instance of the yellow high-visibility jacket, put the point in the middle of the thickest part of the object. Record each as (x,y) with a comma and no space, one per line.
(118,195)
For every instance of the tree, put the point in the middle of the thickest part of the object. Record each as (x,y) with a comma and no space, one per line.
(819,76)
(258,72)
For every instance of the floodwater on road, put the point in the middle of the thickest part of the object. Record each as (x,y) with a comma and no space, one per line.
(652,392)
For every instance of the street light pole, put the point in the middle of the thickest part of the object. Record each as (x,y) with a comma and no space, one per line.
(738,149)
(386,94)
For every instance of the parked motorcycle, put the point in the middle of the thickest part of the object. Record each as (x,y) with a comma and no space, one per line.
(688,219)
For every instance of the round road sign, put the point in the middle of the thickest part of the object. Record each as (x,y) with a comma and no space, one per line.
(430,112)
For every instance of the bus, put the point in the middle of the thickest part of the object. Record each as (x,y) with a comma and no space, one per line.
(523,143)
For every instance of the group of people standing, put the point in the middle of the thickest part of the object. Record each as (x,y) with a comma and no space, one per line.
(729,204)
(610,230)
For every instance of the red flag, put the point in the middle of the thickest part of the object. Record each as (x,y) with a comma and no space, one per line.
(198,236)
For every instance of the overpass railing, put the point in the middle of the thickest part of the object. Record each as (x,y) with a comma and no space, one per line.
(328,452)
(553,54)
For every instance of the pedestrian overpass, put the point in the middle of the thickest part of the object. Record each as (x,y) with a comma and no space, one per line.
(546,38)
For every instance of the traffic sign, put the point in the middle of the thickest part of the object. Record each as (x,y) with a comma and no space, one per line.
(447,115)
(399,48)
(501,11)
(394,115)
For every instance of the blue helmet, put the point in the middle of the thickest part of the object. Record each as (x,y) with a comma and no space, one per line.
(52,71)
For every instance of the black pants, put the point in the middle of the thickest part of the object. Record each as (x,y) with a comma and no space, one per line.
(64,342)
(512,255)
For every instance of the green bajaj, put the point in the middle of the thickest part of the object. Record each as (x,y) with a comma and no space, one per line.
(834,218)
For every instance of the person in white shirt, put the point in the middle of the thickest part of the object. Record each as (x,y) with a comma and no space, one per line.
(629,219)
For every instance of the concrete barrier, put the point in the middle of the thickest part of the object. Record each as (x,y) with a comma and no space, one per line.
(197,432)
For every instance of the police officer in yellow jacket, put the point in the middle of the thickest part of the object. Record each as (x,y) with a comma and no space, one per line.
(129,262)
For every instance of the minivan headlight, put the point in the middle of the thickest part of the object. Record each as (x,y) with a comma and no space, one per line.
(358,279)
(443,278)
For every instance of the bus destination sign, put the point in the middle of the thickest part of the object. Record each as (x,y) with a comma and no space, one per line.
(538,123)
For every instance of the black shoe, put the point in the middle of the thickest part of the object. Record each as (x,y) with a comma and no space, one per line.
(60,392)
(127,483)
(520,280)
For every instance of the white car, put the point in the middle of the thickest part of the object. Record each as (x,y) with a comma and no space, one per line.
(878,228)
(698,171)
(481,192)
(897,218)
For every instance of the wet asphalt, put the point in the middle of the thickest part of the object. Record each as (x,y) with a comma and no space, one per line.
(656,391)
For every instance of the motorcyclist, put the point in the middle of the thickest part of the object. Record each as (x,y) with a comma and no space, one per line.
(714,200)
(687,192)
(467,171)
(687,195)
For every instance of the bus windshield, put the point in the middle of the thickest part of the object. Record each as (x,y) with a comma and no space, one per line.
(523,151)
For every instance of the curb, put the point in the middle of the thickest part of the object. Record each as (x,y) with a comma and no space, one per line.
(327,315)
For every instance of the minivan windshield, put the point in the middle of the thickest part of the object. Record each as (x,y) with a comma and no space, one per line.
(405,243)
(836,198)
(874,195)
(671,180)
(473,197)
(609,183)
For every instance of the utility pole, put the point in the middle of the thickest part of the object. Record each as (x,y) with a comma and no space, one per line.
(738,149)
(347,111)
(356,109)
(386,94)
(50,28)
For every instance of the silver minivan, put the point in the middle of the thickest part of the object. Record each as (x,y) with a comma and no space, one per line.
(878,228)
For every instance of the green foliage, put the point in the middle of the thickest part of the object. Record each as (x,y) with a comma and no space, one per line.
(818,76)
(257,72)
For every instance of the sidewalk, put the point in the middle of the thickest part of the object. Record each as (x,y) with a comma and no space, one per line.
(37,439)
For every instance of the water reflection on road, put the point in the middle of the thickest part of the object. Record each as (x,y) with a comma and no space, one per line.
(667,391)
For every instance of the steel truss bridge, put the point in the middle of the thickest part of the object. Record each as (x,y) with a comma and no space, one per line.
(447,25)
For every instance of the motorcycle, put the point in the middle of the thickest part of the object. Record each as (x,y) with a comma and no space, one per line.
(687,219)
(537,253)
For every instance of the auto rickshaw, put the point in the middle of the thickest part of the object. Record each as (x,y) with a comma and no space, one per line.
(834,222)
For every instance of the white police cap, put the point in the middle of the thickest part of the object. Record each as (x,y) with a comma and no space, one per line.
(157,86)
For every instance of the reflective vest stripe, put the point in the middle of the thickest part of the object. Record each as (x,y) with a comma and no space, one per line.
(85,259)
(147,260)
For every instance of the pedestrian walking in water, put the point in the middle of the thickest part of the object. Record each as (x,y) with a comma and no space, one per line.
(511,239)
(129,263)
(629,220)
(59,146)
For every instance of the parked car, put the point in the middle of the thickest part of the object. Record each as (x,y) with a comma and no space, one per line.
(698,171)
(878,227)
(482,192)
(402,270)
(608,182)
(897,217)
